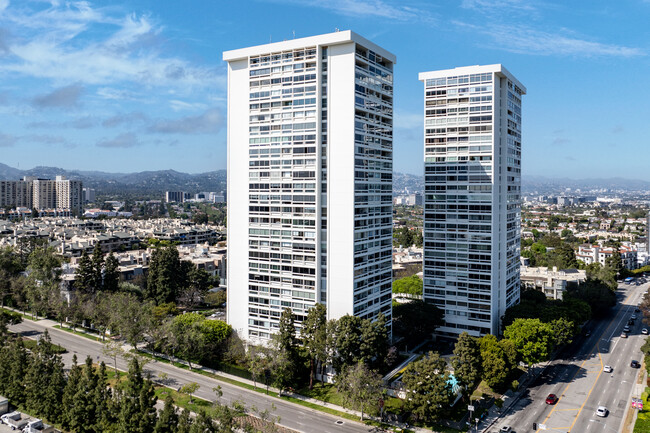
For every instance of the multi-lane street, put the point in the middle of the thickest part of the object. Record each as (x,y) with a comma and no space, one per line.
(580,381)
(291,415)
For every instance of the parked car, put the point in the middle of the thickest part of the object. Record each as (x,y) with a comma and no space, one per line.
(601,411)
(633,317)
(623,334)
(608,369)
(635,364)
(551,399)
(505,429)
(644,331)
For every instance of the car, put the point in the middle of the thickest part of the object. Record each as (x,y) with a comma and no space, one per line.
(623,334)
(644,331)
(633,317)
(608,369)
(626,329)
(551,399)
(505,429)
(601,411)
(637,310)
(635,364)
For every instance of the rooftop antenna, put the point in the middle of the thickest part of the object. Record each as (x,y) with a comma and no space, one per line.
(294,34)
(270,39)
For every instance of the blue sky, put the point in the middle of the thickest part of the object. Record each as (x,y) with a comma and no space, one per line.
(140,85)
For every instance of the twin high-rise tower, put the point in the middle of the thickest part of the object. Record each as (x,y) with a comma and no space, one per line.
(310,151)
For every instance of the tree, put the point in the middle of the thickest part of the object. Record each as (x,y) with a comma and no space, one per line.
(131,318)
(563,331)
(98,268)
(199,284)
(416,320)
(84,278)
(188,338)
(113,349)
(167,274)
(45,380)
(167,418)
(359,387)
(68,400)
(494,365)
(410,285)
(285,344)
(314,338)
(374,341)
(190,389)
(532,338)
(137,412)
(344,341)
(467,361)
(111,274)
(428,388)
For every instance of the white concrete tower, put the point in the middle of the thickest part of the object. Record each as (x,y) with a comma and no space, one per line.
(472,204)
(310,161)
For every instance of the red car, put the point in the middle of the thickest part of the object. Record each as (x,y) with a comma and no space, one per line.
(551,399)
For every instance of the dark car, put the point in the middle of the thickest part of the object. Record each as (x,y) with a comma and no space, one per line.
(635,364)
(551,399)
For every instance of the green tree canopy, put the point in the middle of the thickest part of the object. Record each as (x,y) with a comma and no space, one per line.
(532,338)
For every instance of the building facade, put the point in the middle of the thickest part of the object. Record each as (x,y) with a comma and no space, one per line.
(309,180)
(42,194)
(472,204)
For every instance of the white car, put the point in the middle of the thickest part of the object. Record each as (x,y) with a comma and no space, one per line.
(506,429)
(633,317)
(608,369)
(644,331)
(601,411)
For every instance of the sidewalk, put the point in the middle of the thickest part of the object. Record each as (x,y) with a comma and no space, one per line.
(48,323)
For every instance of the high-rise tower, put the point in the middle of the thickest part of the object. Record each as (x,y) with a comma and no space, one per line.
(310,151)
(472,204)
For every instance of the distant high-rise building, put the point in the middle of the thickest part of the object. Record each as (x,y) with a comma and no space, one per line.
(472,204)
(40,194)
(176,196)
(89,195)
(310,150)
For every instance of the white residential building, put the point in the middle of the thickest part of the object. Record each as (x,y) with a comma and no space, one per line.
(310,151)
(472,205)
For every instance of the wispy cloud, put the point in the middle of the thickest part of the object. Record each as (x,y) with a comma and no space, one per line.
(125,119)
(65,97)
(493,5)
(525,40)
(618,129)
(366,8)
(56,43)
(561,140)
(128,139)
(211,121)
(45,138)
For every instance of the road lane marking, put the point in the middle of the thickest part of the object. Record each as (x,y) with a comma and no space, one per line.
(588,358)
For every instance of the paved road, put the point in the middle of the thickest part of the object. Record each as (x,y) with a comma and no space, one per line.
(580,382)
(293,416)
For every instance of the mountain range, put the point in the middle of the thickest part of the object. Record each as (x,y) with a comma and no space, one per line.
(157,182)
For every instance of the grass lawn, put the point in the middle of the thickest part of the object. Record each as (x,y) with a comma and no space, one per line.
(25,316)
(79,333)
(31,344)
(183,400)
(643,420)
(324,392)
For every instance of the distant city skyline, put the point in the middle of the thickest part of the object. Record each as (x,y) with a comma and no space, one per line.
(141,85)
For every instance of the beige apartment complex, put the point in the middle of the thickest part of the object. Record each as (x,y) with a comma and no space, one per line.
(60,193)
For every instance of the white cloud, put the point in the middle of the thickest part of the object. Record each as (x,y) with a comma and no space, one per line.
(209,122)
(364,8)
(125,140)
(525,40)
(66,97)
(57,43)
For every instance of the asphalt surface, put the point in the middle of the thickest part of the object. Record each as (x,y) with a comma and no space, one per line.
(290,415)
(579,380)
